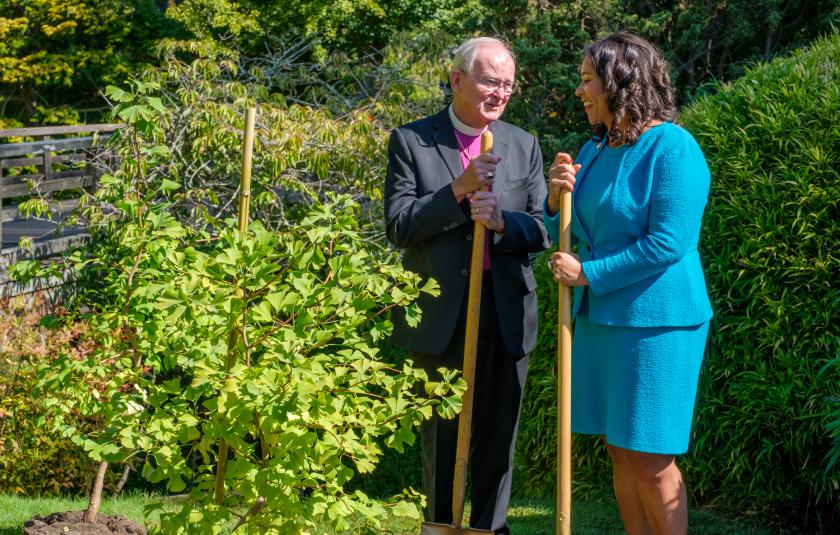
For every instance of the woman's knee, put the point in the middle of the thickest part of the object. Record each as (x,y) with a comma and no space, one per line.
(618,455)
(644,466)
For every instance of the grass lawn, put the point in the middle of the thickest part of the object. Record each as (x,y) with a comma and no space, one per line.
(534,517)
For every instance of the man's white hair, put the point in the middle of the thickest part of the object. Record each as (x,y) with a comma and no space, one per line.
(464,56)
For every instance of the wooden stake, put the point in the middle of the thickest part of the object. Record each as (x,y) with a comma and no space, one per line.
(244,206)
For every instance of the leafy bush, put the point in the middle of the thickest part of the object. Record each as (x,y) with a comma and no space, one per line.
(355,27)
(770,243)
(763,432)
(260,343)
(63,52)
(320,128)
(31,461)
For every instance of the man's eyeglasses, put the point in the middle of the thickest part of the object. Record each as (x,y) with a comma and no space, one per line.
(493,84)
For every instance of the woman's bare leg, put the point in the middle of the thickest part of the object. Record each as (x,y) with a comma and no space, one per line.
(660,489)
(627,493)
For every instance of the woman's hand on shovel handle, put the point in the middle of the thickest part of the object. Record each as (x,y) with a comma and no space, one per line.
(561,177)
(567,269)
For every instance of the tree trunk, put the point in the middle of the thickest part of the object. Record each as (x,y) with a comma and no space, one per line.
(96,493)
(123,479)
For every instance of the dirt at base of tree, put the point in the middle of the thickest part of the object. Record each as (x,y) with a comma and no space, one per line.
(70,523)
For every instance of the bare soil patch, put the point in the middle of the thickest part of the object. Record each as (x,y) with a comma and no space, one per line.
(70,523)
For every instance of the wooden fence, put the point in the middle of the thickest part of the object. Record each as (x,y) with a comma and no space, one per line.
(59,160)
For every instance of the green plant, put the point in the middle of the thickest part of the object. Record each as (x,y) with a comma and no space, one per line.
(770,245)
(353,27)
(833,425)
(764,434)
(264,339)
(320,129)
(31,461)
(59,53)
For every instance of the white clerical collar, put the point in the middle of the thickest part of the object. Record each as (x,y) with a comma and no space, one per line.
(460,126)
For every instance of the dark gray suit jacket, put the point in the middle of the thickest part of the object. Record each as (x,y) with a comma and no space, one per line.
(435,231)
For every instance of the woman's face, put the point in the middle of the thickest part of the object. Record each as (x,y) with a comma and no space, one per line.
(591,93)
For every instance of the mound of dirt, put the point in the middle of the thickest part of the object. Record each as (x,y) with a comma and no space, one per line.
(70,523)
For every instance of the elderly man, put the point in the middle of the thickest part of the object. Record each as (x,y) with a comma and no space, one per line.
(432,196)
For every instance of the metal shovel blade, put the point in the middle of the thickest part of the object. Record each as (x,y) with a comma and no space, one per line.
(430,528)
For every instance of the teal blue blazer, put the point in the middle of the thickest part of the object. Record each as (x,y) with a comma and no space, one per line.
(641,256)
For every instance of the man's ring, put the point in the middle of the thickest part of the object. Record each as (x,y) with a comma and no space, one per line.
(475,211)
(490,175)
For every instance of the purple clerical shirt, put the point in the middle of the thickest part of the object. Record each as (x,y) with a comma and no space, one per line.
(469,148)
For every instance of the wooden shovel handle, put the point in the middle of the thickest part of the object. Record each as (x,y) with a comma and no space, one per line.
(462,450)
(564,381)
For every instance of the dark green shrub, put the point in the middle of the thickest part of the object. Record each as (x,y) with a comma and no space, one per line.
(763,432)
(770,245)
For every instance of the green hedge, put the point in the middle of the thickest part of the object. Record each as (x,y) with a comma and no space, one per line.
(767,426)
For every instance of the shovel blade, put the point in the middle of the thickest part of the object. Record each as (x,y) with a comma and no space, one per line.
(430,528)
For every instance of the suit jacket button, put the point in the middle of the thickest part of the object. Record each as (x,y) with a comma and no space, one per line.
(465,272)
(469,237)
(589,248)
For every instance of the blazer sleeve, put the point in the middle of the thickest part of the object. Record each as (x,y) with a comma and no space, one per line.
(679,192)
(524,230)
(412,218)
(552,223)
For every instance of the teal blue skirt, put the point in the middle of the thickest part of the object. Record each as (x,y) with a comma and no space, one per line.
(636,386)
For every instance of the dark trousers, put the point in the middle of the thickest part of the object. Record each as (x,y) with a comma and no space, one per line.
(499,383)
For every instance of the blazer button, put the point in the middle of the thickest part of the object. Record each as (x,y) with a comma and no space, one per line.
(465,272)
(589,248)
(469,237)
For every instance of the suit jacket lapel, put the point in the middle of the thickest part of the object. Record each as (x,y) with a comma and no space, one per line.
(585,165)
(447,147)
(446,144)
(500,145)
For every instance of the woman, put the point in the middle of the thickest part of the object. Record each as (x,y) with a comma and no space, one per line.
(639,188)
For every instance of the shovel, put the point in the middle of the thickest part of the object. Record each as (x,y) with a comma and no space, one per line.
(459,486)
(564,381)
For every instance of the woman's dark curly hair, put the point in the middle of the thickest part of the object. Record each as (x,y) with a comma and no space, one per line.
(636,82)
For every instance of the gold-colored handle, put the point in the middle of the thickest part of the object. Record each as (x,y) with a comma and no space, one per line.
(459,485)
(564,380)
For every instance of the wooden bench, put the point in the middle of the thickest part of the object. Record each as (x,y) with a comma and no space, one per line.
(60,158)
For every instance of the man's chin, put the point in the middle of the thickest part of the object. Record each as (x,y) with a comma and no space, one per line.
(492,115)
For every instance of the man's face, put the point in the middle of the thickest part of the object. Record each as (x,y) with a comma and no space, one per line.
(480,96)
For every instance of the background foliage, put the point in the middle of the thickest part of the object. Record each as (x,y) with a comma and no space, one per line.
(765,436)
(320,129)
(262,341)
(331,82)
(56,55)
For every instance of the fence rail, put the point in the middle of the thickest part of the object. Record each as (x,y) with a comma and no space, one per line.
(59,159)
